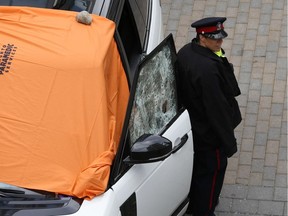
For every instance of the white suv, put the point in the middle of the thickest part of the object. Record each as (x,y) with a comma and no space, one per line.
(151,172)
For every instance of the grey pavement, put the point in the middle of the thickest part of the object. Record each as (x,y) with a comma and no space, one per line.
(256,178)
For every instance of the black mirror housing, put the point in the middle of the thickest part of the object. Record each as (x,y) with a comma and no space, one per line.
(149,148)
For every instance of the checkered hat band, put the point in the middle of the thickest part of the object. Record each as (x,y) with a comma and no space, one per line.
(209,29)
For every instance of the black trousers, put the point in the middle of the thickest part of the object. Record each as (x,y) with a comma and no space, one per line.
(207,181)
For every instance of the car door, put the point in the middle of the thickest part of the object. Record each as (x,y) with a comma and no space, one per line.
(154,181)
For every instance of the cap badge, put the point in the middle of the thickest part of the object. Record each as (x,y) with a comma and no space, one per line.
(219,26)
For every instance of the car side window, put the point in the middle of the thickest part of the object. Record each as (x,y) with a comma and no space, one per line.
(139,9)
(132,28)
(155,99)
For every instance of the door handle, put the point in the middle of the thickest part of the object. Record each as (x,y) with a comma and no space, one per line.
(182,143)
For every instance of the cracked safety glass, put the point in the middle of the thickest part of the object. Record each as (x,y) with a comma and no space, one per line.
(155,101)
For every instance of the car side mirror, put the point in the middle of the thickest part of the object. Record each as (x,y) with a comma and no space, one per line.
(149,148)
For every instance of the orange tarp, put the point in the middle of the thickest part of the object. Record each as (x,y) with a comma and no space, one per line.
(63,97)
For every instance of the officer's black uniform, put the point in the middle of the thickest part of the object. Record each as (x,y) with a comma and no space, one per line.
(207,88)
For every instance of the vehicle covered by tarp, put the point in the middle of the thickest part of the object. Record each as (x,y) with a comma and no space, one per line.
(63,98)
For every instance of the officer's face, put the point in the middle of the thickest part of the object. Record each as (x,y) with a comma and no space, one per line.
(212,44)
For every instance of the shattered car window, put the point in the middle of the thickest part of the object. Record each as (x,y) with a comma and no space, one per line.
(155,97)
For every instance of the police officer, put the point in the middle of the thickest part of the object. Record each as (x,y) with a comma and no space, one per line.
(207,88)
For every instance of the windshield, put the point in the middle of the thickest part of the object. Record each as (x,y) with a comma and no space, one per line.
(73,5)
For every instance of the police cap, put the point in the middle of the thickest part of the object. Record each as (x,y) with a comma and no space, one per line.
(211,27)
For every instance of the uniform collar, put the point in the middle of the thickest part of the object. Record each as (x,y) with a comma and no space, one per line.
(205,51)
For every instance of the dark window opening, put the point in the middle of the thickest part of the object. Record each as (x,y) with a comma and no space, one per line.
(141,14)
(130,37)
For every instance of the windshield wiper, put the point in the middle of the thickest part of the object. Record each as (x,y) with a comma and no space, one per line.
(12,193)
(26,203)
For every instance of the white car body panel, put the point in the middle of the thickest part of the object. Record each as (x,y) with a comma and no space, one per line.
(150,181)
(101,7)
(156,34)
(174,174)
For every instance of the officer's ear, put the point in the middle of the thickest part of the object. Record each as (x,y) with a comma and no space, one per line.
(202,39)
